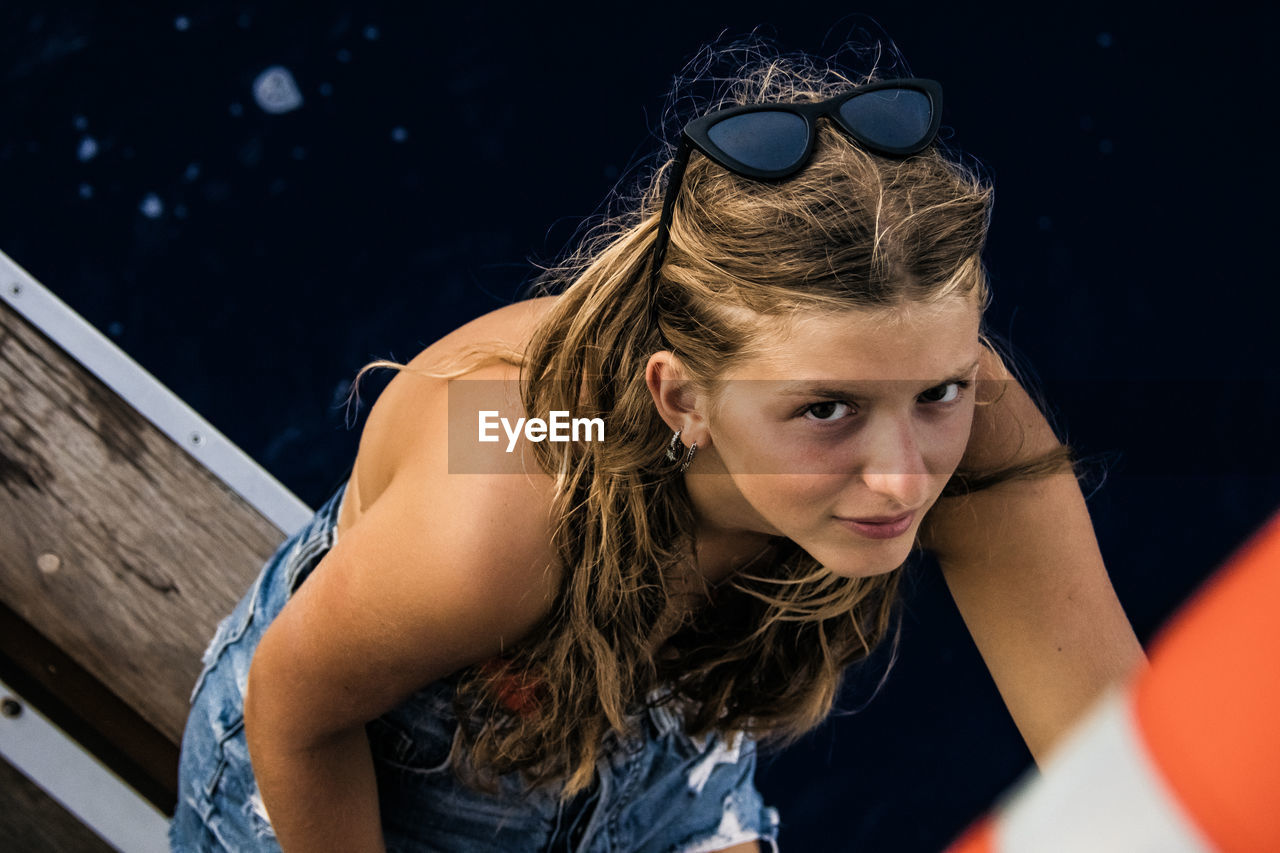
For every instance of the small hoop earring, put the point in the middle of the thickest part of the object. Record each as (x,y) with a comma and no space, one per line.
(672,456)
(685,465)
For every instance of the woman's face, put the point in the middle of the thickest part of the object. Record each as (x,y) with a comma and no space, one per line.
(858,416)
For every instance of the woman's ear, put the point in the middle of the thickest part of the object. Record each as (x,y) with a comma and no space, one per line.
(679,402)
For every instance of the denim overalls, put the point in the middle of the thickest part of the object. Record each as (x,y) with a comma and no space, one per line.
(658,793)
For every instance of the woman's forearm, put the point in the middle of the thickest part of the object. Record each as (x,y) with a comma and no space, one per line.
(1038,602)
(321,796)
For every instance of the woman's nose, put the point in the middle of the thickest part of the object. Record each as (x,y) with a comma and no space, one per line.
(894,465)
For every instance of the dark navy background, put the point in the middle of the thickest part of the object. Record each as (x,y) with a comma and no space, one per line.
(253,261)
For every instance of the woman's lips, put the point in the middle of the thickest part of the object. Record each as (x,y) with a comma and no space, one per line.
(880,530)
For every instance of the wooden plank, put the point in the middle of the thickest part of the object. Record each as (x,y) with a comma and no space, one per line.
(43,310)
(114,543)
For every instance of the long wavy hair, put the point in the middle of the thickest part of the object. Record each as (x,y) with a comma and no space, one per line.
(852,230)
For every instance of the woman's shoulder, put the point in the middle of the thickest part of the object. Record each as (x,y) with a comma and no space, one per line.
(441,571)
(410,436)
(409,421)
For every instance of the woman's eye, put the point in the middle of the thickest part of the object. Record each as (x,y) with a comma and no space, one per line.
(950,391)
(828,410)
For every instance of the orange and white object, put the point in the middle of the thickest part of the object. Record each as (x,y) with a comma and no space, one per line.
(1186,757)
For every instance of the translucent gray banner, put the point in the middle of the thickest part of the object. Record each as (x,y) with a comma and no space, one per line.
(1136,427)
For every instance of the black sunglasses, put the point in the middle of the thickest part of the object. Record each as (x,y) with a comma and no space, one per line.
(774,141)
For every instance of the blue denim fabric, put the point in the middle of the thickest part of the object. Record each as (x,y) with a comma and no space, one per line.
(657,792)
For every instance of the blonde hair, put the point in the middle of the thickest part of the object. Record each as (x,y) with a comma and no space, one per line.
(852,230)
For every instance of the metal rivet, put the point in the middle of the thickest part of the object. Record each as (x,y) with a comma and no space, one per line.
(49,563)
(197,439)
(11,708)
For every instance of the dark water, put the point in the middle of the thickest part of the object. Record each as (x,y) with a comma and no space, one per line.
(403,168)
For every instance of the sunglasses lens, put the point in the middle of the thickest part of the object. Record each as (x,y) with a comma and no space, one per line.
(770,141)
(891,118)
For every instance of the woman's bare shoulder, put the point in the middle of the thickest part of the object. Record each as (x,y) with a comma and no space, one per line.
(400,425)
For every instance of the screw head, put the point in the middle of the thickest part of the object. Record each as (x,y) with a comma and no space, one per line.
(10,708)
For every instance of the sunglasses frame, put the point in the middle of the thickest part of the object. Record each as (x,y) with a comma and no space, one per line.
(695,134)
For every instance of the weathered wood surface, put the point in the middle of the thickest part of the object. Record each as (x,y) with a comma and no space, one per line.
(114,542)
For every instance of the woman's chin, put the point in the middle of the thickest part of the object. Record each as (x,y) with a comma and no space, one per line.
(866,571)
(871,563)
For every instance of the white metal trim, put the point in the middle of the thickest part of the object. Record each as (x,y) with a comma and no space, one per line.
(153,400)
(82,784)
(1100,792)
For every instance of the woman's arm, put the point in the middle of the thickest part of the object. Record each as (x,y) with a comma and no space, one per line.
(1022,563)
(438,573)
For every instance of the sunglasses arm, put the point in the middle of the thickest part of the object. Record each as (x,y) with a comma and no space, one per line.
(663,237)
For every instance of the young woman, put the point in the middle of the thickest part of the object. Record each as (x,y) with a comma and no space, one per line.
(576,645)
